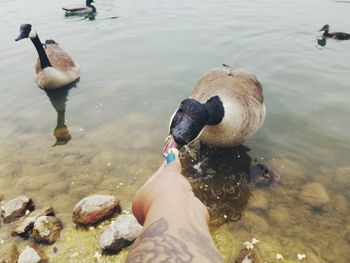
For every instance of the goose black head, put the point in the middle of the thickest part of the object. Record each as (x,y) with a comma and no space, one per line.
(190,118)
(26,31)
(88,2)
(325,28)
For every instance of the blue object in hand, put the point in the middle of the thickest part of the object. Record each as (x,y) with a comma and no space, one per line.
(170,157)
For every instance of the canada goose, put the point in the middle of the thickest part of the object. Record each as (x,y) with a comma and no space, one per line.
(54,68)
(226,108)
(80,9)
(335,35)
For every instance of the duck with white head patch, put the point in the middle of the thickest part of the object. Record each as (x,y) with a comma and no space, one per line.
(89,7)
(226,108)
(54,67)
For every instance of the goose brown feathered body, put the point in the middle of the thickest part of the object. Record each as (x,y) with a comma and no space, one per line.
(242,97)
(63,69)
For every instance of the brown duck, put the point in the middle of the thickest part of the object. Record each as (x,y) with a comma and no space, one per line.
(334,35)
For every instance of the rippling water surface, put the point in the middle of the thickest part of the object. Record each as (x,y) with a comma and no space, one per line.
(139,59)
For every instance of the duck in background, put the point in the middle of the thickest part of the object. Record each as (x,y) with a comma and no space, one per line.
(226,108)
(89,7)
(54,69)
(334,35)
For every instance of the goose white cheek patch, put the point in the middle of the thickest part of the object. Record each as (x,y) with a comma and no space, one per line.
(32,33)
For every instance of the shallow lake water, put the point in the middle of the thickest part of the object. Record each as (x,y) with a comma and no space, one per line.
(139,59)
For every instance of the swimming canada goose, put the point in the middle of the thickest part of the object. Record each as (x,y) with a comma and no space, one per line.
(54,68)
(334,35)
(226,108)
(89,7)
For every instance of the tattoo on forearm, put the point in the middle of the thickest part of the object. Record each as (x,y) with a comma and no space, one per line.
(155,246)
(203,244)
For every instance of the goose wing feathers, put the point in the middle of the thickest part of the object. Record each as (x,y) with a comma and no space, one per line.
(58,58)
(240,83)
(74,8)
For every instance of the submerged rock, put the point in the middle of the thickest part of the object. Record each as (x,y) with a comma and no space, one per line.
(8,253)
(25,227)
(255,223)
(31,255)
(95,208)
(47,229)
(279,215)
(314,194)
(258,200)
(262,175)
(120,233)
(16,208)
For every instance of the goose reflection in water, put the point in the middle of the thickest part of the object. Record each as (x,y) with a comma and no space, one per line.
(58,100)
(322,41)
(220,180)
(223,178)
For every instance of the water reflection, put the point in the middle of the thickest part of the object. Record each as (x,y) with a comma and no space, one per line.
(220,179)
(88,16)
(59,100)
(322,41)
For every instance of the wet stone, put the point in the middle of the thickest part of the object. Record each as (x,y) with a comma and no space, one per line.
(95,208)
(314,194)
(47,229)
(25,227)
(120,233)
(31,255)
(8,253)
(16,208)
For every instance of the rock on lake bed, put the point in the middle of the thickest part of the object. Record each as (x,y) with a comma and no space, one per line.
(95,208)
(16,208)
(120,233)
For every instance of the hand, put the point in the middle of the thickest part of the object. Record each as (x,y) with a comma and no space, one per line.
(167,182)
(175,222)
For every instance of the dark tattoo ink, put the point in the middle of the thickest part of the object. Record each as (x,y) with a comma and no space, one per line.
(203,244)
(155,246)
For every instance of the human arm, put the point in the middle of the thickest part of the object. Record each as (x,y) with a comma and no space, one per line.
(175,221)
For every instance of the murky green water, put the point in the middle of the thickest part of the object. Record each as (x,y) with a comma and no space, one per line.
(139,59)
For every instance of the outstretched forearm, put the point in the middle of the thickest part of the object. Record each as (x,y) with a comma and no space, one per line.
(175,230)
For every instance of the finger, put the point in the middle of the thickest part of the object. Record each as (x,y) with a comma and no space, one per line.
(173,163)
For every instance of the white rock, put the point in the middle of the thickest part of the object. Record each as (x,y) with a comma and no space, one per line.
(30,255)
(120,233)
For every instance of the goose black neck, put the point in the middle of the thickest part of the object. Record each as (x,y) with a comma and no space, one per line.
(44,60)
(61,118)
(326,34)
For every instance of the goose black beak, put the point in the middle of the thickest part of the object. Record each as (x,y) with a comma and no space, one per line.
(321,29)
(21,36)
(170,143)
